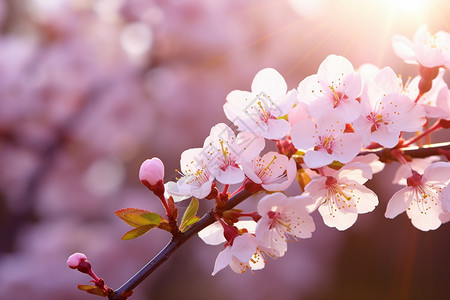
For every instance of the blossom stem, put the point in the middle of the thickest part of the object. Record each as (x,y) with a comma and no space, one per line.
(172,246)
(436,126)
(240,189)
(164,203)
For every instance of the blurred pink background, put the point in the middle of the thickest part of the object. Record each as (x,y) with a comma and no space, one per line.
(91,88)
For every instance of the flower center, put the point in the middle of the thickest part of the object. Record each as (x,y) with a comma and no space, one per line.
(338,96)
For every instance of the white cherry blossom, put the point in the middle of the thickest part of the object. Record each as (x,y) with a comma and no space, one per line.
(274,171)
(325,141)
(225,151)
(258,111)
(241,254)
(335,87)
(281,217)
(195,179)
(429,50)
(213,234)
(342,196)
(423,198)
(386,112)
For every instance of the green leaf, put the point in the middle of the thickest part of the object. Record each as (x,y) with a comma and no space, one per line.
(137,232)
(93,289)
(189,223)
(138,217)
(189,215)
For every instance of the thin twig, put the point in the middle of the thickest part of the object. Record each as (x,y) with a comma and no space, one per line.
(173,245)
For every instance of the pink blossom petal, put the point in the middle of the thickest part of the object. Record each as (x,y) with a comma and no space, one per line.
(317,159)
(244,246)
(438,172)
(270,82)
(347,146)
(399,202)
(403,47)
(222,260)
(333,69)
(424,220)
(309,89)
(231,175)
(342,218)
(213,234)
(304,134)
(276,129)
(355,171)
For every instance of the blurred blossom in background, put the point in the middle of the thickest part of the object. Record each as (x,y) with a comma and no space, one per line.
(91,88)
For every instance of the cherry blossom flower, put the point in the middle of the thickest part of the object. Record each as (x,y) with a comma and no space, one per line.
(428,50)
(258,111)
(225,151)
(386,112)
(241,254)
(335,87)
(196,179)
(342,196)
(214,233)
(282,216)
(422,198)
(325,141)
(417,164)
(274,171)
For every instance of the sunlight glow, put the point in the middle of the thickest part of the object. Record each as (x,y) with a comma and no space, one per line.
(411,6)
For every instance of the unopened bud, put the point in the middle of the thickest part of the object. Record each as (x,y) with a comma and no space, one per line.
(151,172)
(75,260)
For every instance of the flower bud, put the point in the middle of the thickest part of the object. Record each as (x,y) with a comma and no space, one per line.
(151,172)
(75,259)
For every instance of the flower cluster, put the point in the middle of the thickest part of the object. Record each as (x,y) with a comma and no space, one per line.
(321,130)
(324,131)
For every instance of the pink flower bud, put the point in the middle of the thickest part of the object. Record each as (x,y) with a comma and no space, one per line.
(151,171)
(75,259)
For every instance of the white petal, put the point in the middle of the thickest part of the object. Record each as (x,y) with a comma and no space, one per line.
(403,47)
(333,69)
(309,89)
(276,129)
(355,171)
(317,159)
(231,175)
(249,145)
(222,260)
(270,82)
(213,234)
(399,202)
(438,172)
(339,218)
(270,203)
(244,246)
(304,134)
